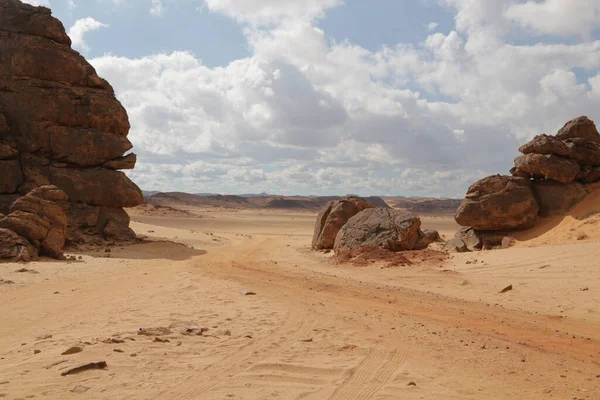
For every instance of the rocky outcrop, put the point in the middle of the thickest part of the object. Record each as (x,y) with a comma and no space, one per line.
(15,248)
(390,229)
(554,174)
(60,124)
(548,166)
(499,203)
(38,219)
(333,217)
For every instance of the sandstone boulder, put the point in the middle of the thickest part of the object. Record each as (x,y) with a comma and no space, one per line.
(549,166)
(15,248)
(546,144)
(581,127)
(333,217)
(557,199)
(589,175)
(585,152)
(38,218)
(390,229)
(428,236)
(499,203)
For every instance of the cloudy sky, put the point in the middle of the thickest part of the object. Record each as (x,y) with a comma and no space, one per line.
(388,97)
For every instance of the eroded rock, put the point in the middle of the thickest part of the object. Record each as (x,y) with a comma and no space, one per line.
(333,217)
(499,203)
(390,229)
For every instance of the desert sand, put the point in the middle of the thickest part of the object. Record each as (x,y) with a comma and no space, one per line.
(315,328)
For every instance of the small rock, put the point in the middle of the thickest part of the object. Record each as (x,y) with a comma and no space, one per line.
(118,351)
(107,250)
(72,350)
(248,293)
(160,331)
(85,367)
(80,389)
(6,282)
(36,351)
(159,340)
(585,289)
(411,384)
(307,340)
(114,340)
(507,289)
(133,355)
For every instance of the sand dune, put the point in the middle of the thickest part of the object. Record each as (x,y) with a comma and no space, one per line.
(314,329)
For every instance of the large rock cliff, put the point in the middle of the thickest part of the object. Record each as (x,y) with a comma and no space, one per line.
(61,124)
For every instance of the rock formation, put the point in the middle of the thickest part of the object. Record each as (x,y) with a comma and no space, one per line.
(333,217)
(60,124)
(351,222)
(554,174)
(390,229)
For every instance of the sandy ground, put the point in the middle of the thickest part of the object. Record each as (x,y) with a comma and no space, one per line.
(313,330)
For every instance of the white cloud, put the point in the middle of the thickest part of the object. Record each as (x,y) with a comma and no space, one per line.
(80,28)
(45,3)
(157,8)
(304,115)
(260,12)
(557,17)
(432,25)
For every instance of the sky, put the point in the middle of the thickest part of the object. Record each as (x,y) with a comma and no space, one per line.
(374,97)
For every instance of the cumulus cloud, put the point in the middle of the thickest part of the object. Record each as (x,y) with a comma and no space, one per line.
(262,12)
(557,17)
(80,28)
(305,115)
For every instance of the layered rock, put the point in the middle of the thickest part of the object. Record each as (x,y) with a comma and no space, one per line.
(61,124)
(38,219)
(499,203)
(390,229)
(333,217)
(554,174)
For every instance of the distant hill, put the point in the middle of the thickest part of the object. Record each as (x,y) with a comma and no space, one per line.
(299,203)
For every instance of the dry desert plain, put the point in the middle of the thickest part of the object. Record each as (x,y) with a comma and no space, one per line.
(316,328)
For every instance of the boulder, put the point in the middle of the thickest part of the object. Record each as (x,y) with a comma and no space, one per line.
(332,217)
(557,199)
(38,218)
(114,223)
(549,166)
(14,247)
(11,177)
(455,245)
(428,236)
(390,229)
(581,127)
(471,238)
(546,144)
(585,152)
(499,203)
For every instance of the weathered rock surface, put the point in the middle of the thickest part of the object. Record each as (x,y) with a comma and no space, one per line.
(15,248)
(390,229)
(428,236)
(583,151)
(557,199)
(333,217)
(499,203)
(39,219)
(60,124)
(546,144)
(549,166)
(581,127)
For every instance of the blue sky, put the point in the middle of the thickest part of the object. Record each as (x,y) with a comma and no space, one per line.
(395,97)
